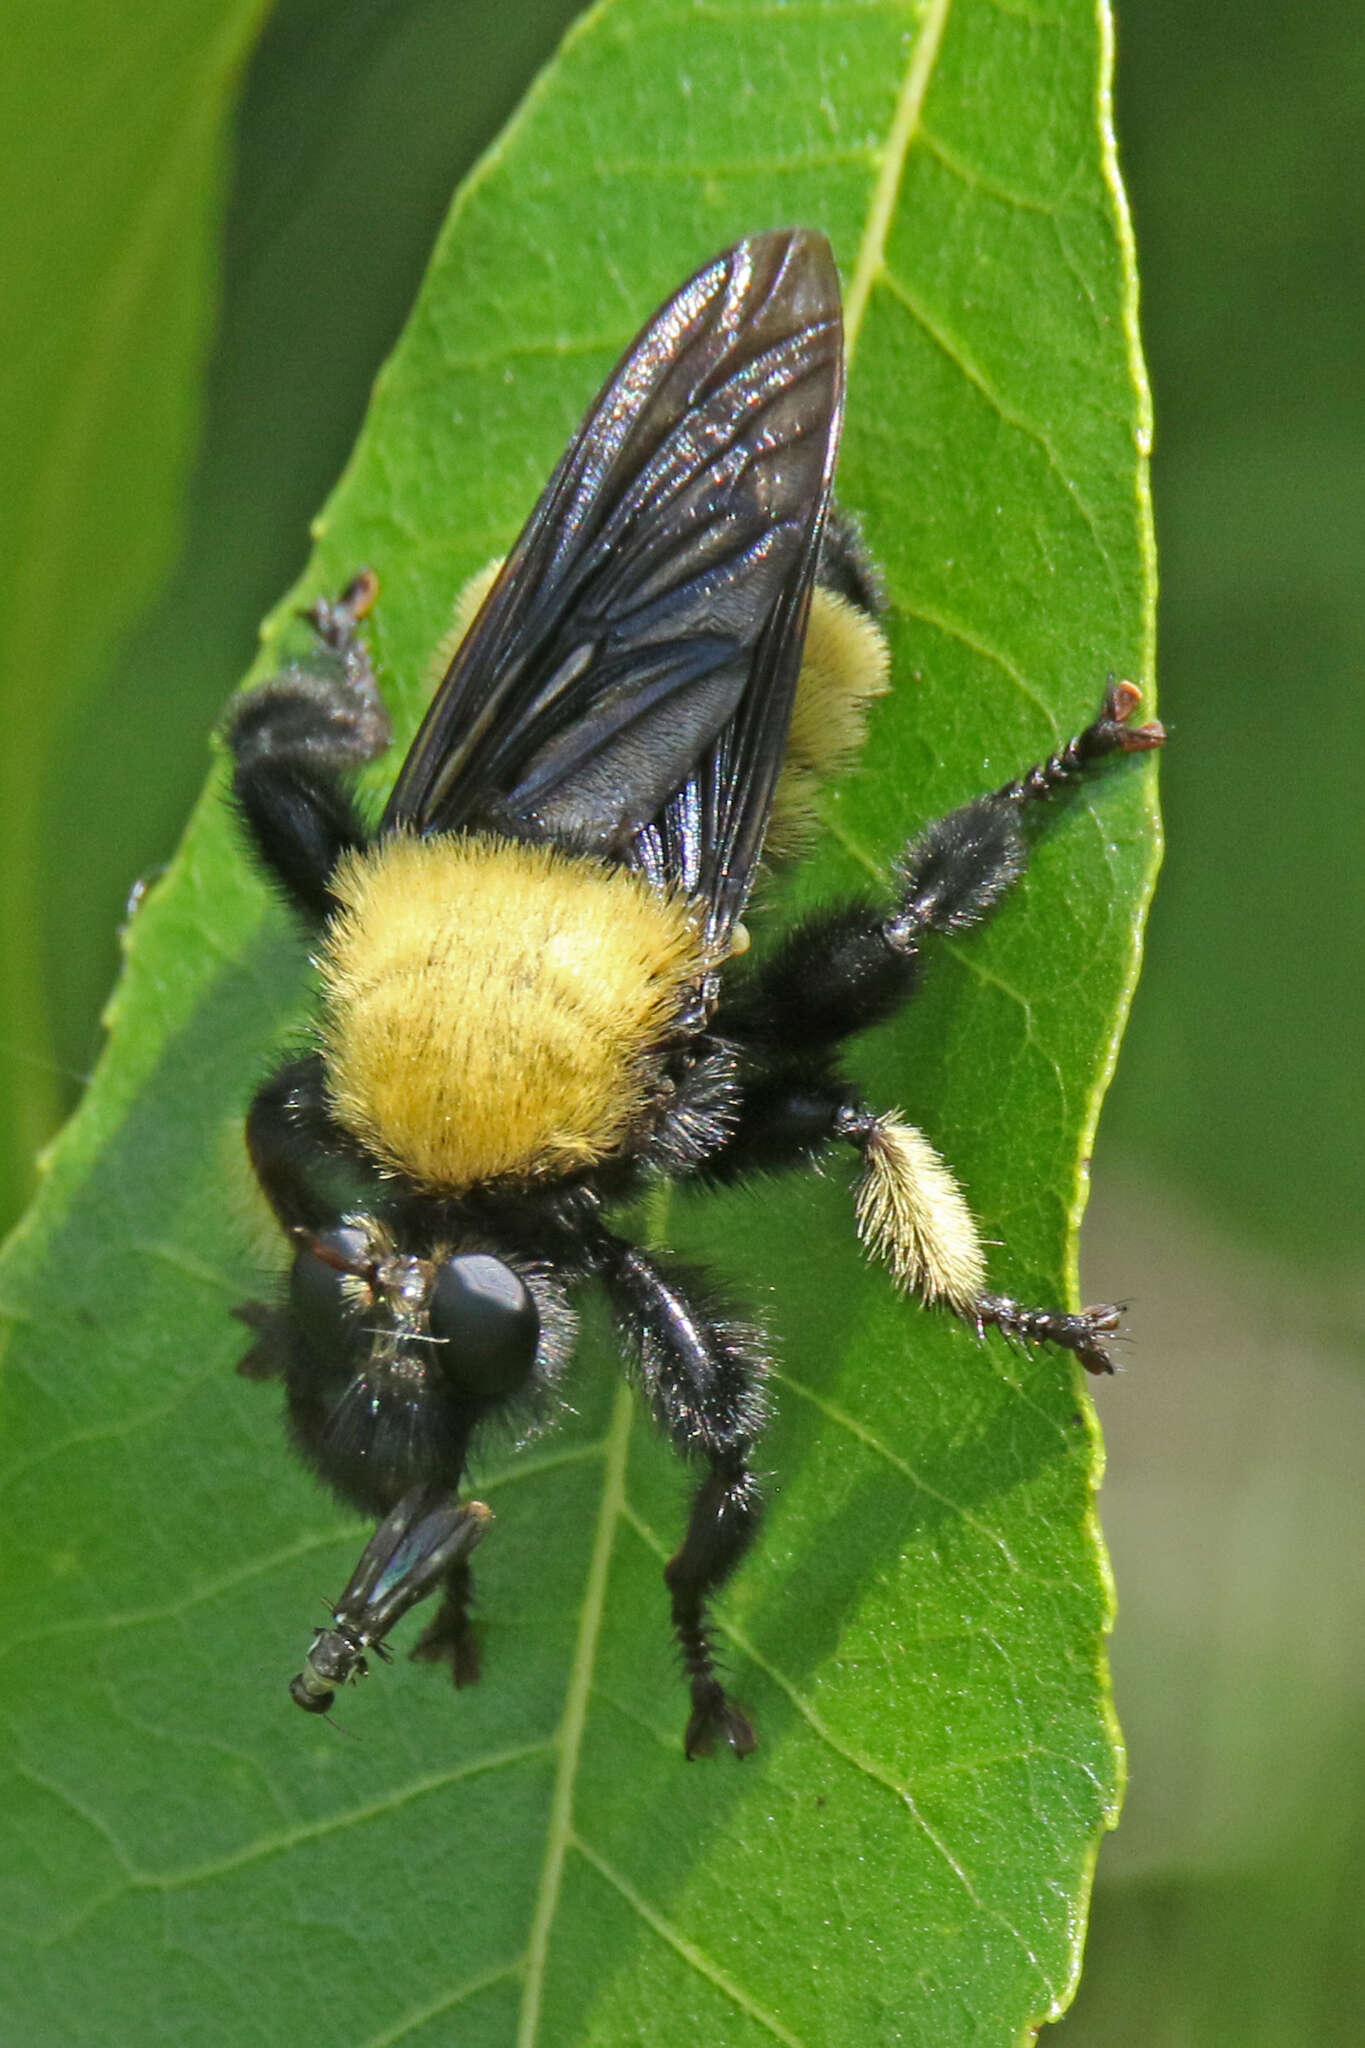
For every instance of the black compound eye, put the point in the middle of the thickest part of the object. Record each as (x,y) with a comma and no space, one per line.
(322,1287)
(487,1317)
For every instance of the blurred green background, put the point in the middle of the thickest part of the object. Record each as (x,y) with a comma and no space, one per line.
(1231,1906)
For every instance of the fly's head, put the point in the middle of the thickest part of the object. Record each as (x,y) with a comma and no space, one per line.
(394,1356)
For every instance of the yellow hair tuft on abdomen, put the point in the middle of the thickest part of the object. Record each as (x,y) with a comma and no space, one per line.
(845,665)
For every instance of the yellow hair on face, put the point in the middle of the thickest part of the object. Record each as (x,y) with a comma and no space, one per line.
(912,1214)
(845,665)
(494,1008)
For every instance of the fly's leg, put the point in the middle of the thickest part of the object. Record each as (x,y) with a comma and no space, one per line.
(298,740)
(702,1372)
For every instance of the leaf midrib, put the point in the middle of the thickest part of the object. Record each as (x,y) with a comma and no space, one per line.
(905,122)
(573,1721)
(868,268)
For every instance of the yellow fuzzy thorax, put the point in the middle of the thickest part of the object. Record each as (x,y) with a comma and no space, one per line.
(494,1008)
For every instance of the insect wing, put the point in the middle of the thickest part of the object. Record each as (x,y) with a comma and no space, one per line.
(626,686)
(707,839)
(408,1554)
(412,1548)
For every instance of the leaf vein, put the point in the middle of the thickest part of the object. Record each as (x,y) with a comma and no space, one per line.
(843,1420)
(707,11)
(171,1883)
(419,2015)
(977,180)
(955,352)
(737,167)
(955,630)
(859,1762)
(879,1776)
(171,1610)
(686,1950)
(101,1433)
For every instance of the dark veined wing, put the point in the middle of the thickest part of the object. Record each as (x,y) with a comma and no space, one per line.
(627,684)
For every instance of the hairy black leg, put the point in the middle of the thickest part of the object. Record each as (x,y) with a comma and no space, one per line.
(1110,733)
(786,1118)
(852,966)
(837,973)
(702,1372)
(845,566)
(1082,1334)
(312,1176)
(302,1167)
(449,1637)
(957,871)
(911,1213)
(297,739)
(309,1170)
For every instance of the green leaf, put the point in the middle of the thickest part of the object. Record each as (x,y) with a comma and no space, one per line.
(347,144)
(109,292)
(919,1635)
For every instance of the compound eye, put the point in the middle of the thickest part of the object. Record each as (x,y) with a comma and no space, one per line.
(487,1317)
(322,1285)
